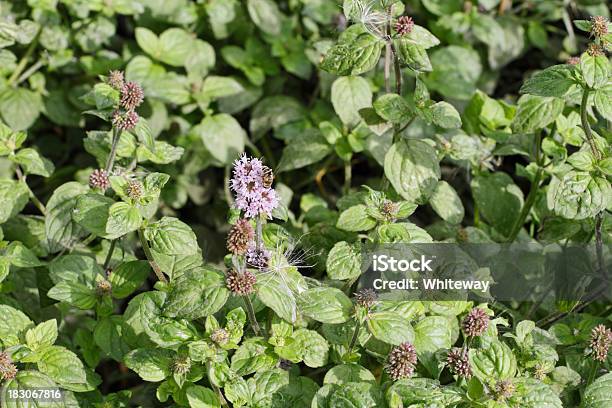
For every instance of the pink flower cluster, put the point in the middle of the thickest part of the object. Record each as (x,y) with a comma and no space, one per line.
(251,183)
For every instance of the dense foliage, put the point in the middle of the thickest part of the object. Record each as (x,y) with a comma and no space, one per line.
(186,189)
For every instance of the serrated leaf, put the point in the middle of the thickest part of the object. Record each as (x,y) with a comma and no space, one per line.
(344,261)
(326,305)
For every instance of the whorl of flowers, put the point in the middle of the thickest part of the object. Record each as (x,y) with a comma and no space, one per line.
(132,95)
(257,258)
(539,372)
(389,210)
(458,362)
(599,26)
(601,338)
(503,390)
(595,50)
(251,182)
(8,370)
(366,298)
(220,336)
(103,287)
(475,323)
(573,61)
(404,25)
(134,189)
(462,235)
(181,365)
(115,79)
(401,361)
(125,120)
(239,237)
(99,179)
(241,283)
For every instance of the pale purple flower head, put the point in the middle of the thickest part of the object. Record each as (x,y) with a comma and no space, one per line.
(257,258)
(254,195)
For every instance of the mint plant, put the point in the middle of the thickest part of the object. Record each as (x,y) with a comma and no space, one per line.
(191,194)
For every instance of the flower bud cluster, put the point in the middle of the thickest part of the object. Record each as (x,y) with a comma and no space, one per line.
(131,96)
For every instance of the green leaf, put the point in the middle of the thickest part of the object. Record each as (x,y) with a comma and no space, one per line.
(344,261)
(307,149)
(61,365)
(13,323)
(195,294)
(455,72)
(74,293)
(14,195)
(413,55)
(266,15)
(442,7)
(411,165)
(313,347)
(222,136)
(42,335)
(356,218)
(33,163)
(150,364)
(91,212)
(326,305)
(495,362)
(172,47)
(536,112)
(61,231)
(446,203)
(122,218)
(108,336)
(202,397)
(355,53)
(603,101)
(597,394)
(553,81)
(393,108)
(19,255)
(421,36)
(595,70)
(445,115)
(19,107)
(499,200)
(578,195)
(390,327)
(128,277)
(347,373)
(433,333)
(252,356)
(276,290)
(215,87)
(171,236)
(349,94)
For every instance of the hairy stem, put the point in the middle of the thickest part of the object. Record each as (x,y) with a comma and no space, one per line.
(149,255)
(348,174)
(397,69)
(30,71)
(251,313)
(24,60)
(113,152)
(33,198)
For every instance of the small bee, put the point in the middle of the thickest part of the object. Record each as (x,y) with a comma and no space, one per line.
(268,177)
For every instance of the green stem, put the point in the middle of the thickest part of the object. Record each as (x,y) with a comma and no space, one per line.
(30,71)
(348,174)
(397,69)
(109,255)
(113,152)
(149,255)
(354,338)
(251,313)
(33,198)
(585,123)
(226,187)
(24,60)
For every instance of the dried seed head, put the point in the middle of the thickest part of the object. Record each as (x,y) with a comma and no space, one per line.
(257,258)
(8,370)
(599,26)
(220,336)
(503,390)
(125,120)
(475,323)
(573,61)
(595,50)
(241,284)
(462,235)
(366,298)
(404,25)
(131,95)
(458,362)
(239,237)
(134,189)
(103,287)
(99,179)
(601,338)
(389,210)
(401,361)
(115,79)
(181,365)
